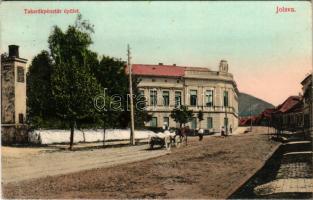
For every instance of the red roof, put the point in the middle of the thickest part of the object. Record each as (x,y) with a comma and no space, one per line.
(267,113)
(162,70)
(158,70)
(290,103)
(245,121)
(306,79)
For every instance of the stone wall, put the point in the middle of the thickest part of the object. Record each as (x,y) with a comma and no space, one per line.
(12,134)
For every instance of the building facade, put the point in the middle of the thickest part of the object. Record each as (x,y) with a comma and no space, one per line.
(288,116)
(13,94)
(168,86)
(307,103)
(295,113)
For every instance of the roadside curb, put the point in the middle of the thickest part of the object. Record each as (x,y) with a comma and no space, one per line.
(249,176)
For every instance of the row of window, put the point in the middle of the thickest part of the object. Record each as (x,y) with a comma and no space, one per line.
(178,98)
(166,122)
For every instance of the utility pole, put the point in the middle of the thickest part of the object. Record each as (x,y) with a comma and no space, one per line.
(132,124)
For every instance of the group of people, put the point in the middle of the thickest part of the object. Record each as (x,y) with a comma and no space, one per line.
(183,132)
(223,132)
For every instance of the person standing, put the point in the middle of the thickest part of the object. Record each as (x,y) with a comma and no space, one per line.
(222,131)
(187,132)
(200,133)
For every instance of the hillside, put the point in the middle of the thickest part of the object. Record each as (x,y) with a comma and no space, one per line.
(257,105)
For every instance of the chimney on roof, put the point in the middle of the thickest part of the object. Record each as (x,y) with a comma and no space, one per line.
(174,64)
(160,63)
(13,51)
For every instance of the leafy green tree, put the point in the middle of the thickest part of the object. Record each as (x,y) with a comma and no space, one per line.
(111,75)
(63,84)
(40,103)
(200,117)
(73,85)
(140,113)
(182,115)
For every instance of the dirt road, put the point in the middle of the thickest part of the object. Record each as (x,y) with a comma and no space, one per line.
(213,168)
(27,163)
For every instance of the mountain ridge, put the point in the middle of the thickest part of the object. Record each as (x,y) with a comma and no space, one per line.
(257,105)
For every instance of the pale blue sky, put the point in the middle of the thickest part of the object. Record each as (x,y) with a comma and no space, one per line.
(257,42)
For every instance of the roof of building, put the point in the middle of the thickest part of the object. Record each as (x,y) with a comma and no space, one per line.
(246,121)
(289,104)
(307,78)
(163,70)
(267,113)
(201,69)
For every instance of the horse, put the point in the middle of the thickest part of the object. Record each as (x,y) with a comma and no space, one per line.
(181,136)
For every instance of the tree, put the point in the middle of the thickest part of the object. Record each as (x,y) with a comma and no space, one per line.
(200,117)
(140,113)
(182,115)
(64,82)
(40,103)
(73,85)
(111,76)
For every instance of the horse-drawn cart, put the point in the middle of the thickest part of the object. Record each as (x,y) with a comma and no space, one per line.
(162,139)
(167,139)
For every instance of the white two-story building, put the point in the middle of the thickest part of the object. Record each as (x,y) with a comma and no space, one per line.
(167,86)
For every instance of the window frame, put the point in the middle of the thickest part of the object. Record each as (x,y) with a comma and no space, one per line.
(156,121)
(168,121)
(153,97)
(21,118)
(194,119)
(207,98)
(168,98)
(180,98)
(209,119)
(226,98)
(193,98)
(20,74)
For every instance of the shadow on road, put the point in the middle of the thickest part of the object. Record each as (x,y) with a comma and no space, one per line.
(296,151)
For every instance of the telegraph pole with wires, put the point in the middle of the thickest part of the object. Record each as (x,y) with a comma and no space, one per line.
(132,124)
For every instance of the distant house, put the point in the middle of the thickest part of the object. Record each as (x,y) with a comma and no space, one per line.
(294,114)
(264,119)
(288,116)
